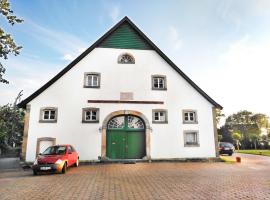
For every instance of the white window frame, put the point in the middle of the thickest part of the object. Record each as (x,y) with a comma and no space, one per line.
(159,78)
(84,112)
(87,76)
(189,112)
(49,109)
(196,143)
(160,121)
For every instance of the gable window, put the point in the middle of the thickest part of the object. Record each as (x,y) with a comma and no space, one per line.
(159,116)
(90,115)
(189,117)
(126,58)
(48,114)
(159,82)
(191,138)
(92,80)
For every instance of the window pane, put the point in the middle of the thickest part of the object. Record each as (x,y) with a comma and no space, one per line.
(46,114)
(52,115)
(95,81)
(162,116)
(89,80)
(87,115)
(161,83)
(156,116)
(155,82)
(191,138)
(94,115)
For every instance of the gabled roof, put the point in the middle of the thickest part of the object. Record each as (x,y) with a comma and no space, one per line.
(105,40)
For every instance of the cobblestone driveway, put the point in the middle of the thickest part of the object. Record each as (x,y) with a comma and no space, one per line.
(143,181)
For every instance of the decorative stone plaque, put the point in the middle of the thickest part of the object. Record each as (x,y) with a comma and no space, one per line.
(126,95)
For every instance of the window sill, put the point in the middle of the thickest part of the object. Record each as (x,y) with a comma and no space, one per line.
(185,122)
(47,121)
(192,145)
(164,89)
(159,122)
(86,86)
(90,122)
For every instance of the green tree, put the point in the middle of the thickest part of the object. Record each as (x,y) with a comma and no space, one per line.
(237,137)
(11,126)
(7,44)
(254,137)
(243,123)
(219,137)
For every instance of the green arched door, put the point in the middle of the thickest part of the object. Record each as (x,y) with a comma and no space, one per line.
(125,138)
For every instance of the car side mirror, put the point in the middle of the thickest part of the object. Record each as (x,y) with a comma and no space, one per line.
(40,154)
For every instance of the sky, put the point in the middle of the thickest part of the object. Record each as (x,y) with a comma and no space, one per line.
(222,45)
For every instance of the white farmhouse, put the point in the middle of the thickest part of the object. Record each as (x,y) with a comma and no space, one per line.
(122,98)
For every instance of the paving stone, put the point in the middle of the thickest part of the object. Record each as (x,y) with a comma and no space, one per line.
(141,181)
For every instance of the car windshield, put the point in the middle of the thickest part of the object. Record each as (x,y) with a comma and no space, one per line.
(226,145)
(55,150)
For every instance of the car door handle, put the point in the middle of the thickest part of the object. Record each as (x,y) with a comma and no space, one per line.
(113,142)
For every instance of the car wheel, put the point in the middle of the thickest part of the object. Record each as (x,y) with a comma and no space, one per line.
(77,163)
(230,154)
(64,169)
(34,172)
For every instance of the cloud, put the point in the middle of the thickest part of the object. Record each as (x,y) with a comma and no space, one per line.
(242,76)
(25,75)
(68,57)
(62,42)
(114,13)
(174,38)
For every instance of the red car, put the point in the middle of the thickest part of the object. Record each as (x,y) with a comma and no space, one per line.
(56,159)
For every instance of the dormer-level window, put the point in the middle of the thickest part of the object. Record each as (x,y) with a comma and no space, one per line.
(126,58)
(159,82)
(92,80)
(48,114)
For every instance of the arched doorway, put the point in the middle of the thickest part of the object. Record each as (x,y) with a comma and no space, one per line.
(125,135)
(125,138)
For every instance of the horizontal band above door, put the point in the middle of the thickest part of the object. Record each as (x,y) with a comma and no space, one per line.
(122,101)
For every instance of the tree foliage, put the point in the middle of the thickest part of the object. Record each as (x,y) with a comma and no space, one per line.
(11,126)
(7,43)
(249,126)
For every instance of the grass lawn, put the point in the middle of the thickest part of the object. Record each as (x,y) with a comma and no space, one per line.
(256,152)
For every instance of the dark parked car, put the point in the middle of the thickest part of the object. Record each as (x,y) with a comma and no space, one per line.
(226,148)
(56,159)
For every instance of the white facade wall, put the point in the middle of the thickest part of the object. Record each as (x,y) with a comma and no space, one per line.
(69,96)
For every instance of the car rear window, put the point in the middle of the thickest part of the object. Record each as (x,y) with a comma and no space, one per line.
(226,145)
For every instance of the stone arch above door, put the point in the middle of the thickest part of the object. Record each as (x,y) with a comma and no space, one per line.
(125,112)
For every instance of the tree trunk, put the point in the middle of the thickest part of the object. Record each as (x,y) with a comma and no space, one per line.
(237,143)
(255,145)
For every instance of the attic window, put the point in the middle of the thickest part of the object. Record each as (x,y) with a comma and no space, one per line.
(126,59)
